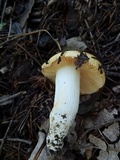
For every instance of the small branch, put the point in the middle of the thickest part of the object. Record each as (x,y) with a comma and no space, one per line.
(10,26)
(117,39)
(114,74)
(6,133)
(7,99)
(29,33)
(29,54)
(40,151)
(17,140)
(3,11)
(91,36)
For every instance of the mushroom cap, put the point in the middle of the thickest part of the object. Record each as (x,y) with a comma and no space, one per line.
(92,75)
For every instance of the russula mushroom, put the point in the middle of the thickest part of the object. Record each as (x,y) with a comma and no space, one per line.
(70,82)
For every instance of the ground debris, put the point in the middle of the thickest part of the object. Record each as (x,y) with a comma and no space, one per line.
(30,33)
(112,132)
(110,155)
(40,150)
(100,144)
(7,99)
(103,118)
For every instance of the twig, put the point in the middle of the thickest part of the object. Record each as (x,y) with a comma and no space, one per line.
(6,133)
(41,151)
(17,140)
(114,68)
(3,11)
(50,2)
(29,54)
(29,33)
(8,98)
(114,74)
(9,29)
(14,38)
(91,36)
(117,39)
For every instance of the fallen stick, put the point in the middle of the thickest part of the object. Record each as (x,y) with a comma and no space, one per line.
(40,151)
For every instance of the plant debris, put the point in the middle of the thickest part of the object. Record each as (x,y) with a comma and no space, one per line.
(31,32)
(97,142)
(112,132)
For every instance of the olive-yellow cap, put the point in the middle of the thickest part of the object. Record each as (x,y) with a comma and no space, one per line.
(92,75)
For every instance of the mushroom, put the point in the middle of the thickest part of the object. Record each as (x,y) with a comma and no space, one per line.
(70,82)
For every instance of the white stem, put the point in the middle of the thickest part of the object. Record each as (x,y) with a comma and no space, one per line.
(66,102)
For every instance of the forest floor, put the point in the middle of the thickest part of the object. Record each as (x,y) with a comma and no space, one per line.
(31,31)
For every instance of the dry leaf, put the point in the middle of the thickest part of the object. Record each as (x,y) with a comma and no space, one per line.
(72,136)
(28,8)
(104,117)
(88,152)
(45,126)
(74,43)
(110,155)
(4,69)
(112,132)
(97,142)
(117,145)
(116,89)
